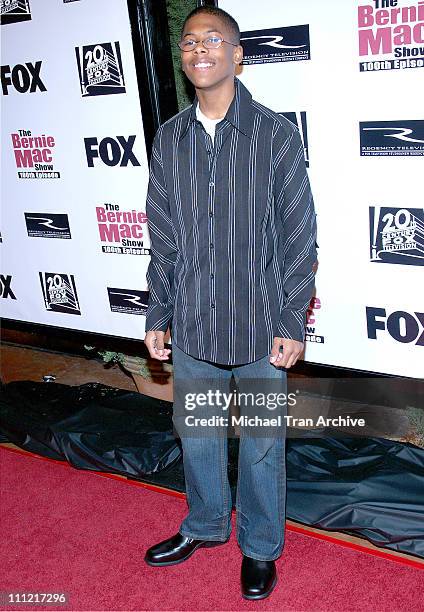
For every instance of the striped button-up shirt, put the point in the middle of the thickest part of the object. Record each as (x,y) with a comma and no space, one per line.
(233,233)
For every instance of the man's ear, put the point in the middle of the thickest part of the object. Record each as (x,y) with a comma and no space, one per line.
(238,54)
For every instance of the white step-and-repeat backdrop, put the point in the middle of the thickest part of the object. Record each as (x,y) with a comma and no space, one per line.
(350,75)
(74,166)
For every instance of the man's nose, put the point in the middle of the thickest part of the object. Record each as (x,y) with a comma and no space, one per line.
(200,48)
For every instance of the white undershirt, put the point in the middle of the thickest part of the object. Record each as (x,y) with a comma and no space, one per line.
(208,124)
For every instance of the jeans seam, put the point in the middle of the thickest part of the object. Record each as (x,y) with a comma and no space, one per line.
(223,487)
(283,484)
(282,492)
(184,533)
(238,494)
(259,558)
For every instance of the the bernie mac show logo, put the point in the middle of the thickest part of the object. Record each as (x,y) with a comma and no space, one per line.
(391,35)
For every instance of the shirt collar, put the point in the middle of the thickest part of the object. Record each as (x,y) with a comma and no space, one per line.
(239,114)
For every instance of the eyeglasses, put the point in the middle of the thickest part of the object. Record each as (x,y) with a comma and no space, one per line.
(212,42)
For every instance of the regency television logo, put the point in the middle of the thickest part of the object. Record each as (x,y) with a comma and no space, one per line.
(47,225)
(128,301)
(392,138)
(284,44)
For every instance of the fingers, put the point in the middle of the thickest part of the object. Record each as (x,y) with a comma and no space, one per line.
(288,356)
(155,345)
(291,359)
(276,352)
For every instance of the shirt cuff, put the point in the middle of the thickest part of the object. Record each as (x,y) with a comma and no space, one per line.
(292,324)
(158,318)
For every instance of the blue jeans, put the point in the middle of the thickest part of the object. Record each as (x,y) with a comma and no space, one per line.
(261,487)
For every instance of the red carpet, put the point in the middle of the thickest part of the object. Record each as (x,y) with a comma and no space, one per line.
(66,530)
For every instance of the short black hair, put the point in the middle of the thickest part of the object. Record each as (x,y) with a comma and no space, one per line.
(225,17)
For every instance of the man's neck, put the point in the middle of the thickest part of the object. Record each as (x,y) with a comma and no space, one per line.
(215,103)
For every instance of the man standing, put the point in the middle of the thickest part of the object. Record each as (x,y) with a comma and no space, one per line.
(232,227)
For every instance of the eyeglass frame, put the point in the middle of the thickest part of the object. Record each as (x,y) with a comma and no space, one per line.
(202,41)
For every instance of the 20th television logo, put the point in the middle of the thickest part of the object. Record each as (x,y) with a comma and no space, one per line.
(397,235)
(60,292)
(14,11)
(100,69)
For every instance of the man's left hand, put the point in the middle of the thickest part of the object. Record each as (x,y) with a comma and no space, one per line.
(287,357)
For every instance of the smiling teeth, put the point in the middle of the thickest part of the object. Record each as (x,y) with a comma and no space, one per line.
(202,65)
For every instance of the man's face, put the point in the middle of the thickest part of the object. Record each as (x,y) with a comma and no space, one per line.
(209,68)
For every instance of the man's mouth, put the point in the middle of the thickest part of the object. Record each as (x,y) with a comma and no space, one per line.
(203,65)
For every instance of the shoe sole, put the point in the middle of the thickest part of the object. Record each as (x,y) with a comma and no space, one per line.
(264,595)
(165,563)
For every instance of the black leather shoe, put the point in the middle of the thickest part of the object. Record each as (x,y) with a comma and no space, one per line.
(258,578)
(176,550)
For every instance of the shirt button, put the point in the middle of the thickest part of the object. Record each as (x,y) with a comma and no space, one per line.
(212,275)
(211,184)
(211,245)
(211,213)
(213,305)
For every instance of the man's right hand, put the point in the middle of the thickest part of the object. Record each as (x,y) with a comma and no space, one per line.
(154,342)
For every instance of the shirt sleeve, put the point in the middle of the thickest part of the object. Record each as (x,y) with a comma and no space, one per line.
(160,272)
(295,205)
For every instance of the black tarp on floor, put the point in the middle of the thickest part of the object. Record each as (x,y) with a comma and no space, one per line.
(371,487)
